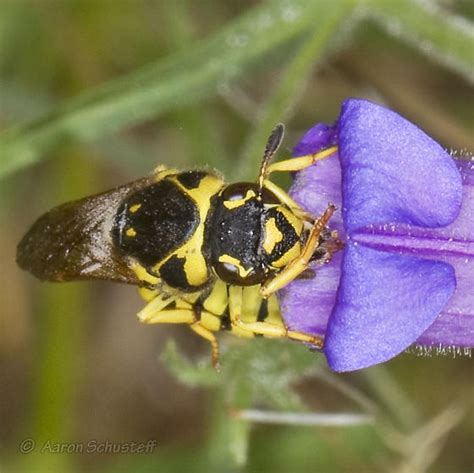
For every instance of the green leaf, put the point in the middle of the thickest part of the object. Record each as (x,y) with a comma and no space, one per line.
(287,93)
(173,82)
(442,36)
(187,372)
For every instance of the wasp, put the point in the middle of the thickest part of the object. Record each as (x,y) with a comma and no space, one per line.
(202,252)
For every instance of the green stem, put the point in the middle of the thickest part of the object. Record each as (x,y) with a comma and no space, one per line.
(288,92)
(198,124)
(176,81)
(447,38)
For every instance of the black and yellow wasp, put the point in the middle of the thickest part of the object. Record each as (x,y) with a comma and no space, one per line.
(202,252)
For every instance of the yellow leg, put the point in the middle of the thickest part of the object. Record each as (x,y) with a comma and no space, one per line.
(287,200)
(216,302)
(172,316)
(154,307)
(235,309)
(297,164)
(211,338)
(155,312)
(267,329)
(299,264)
(279,331)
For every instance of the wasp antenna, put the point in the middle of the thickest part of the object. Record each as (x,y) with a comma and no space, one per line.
(274,140)
(273,143)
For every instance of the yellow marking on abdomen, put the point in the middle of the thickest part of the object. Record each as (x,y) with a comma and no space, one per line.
(131,232)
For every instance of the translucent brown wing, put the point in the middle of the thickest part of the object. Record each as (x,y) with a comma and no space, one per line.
(73,241)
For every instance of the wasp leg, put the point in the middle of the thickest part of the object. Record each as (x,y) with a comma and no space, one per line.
(211,338)
(270,330)
(155,312)
(154,307)
(284,197)
(299,264)
(302,162)
(217,300)
(171,316)
(267,329)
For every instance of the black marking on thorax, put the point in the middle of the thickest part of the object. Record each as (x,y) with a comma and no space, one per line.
(166,219)
(191,179)
(173,273)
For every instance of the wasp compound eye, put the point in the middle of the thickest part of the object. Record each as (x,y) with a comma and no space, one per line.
(238,191)
(235,274)
(246,190)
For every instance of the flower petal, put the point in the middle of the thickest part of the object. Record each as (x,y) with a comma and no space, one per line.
(398,185)
(453,244)
(316,138)
(316,187)
(313,189)
(392,172)
(307,304)
(455,325)
(384,303)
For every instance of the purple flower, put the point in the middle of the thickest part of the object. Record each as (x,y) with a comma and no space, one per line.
(406,274)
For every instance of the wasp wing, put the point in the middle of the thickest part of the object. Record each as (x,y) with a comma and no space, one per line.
(74,241)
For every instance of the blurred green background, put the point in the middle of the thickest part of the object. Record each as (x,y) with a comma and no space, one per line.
(94,93)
